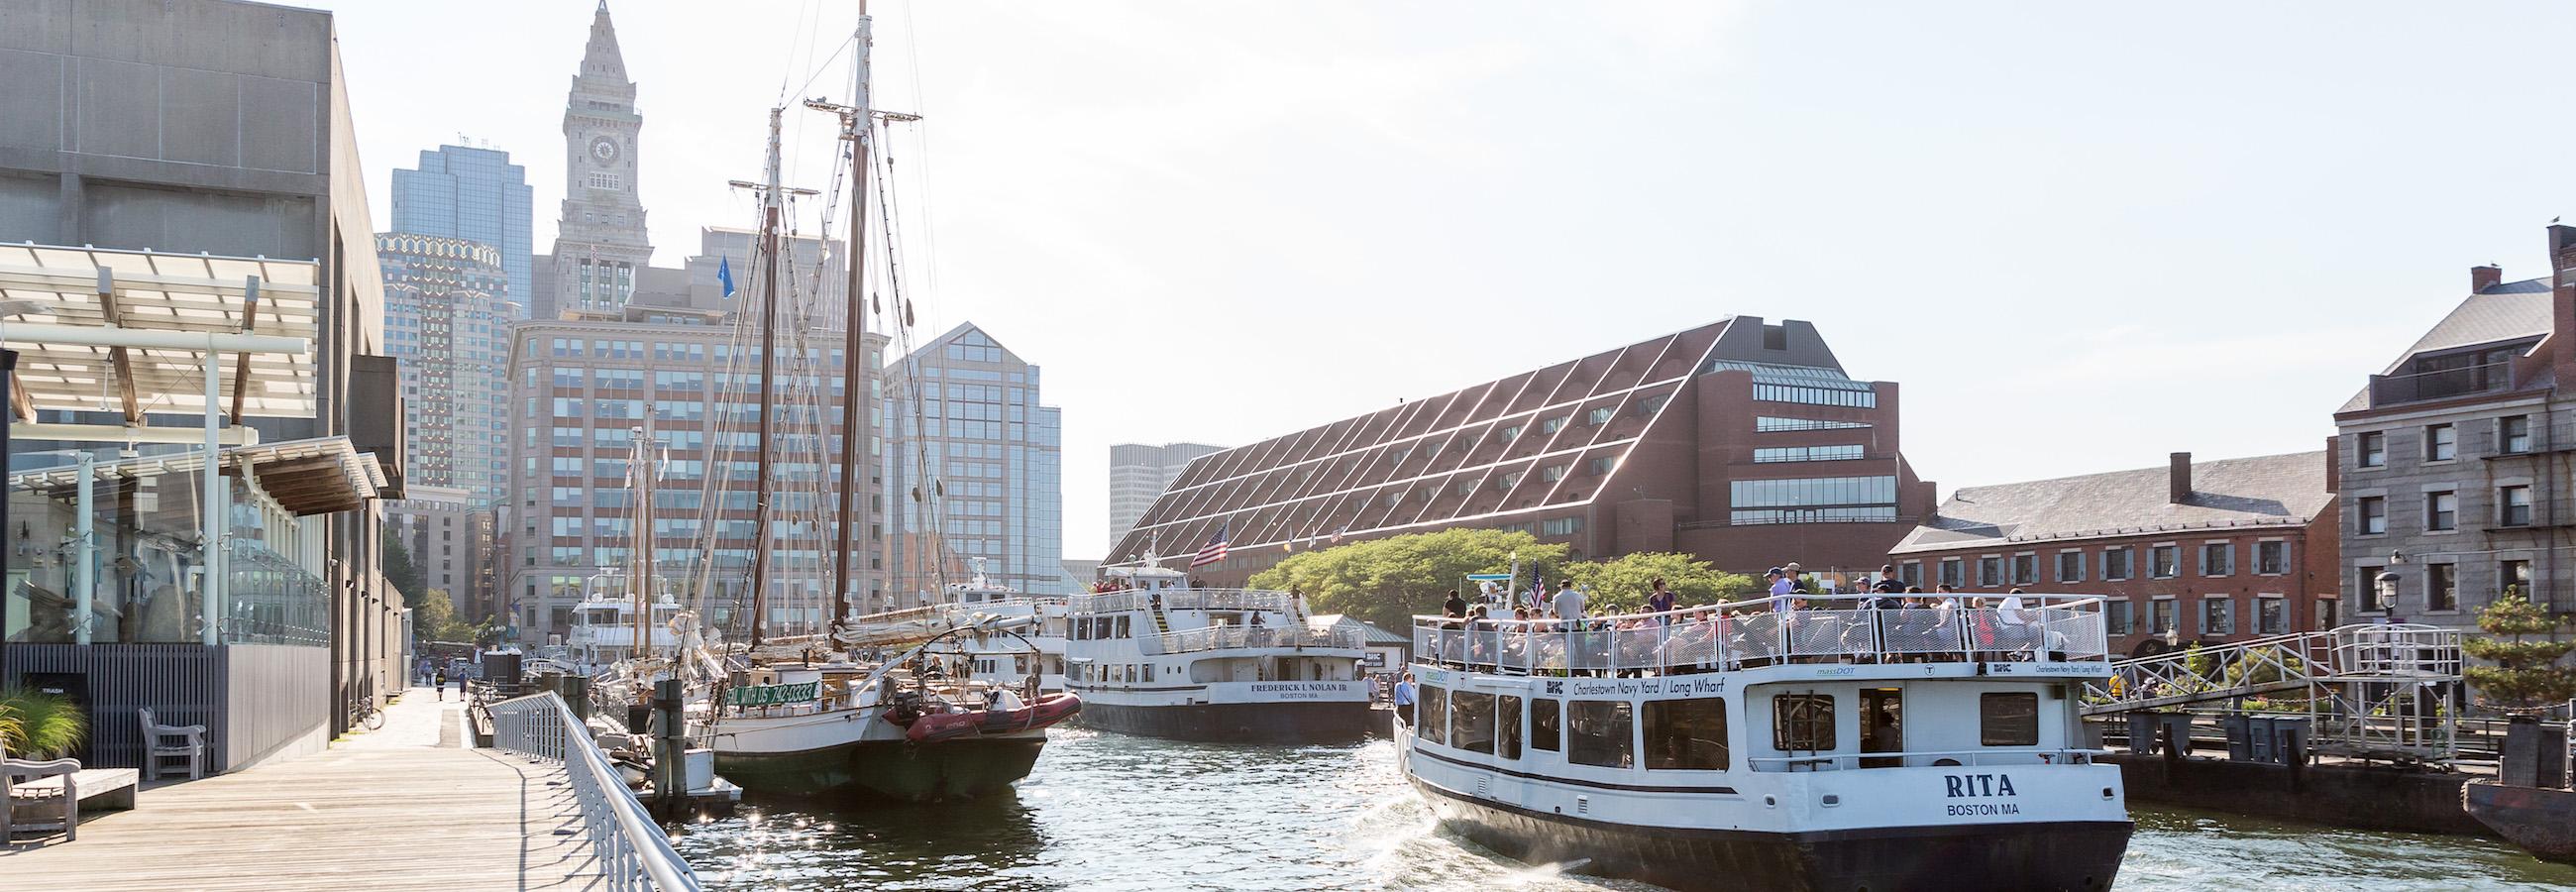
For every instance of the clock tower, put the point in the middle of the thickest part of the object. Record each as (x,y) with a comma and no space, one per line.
(600,244)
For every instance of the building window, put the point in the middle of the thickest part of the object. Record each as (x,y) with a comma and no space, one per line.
(1686,735)
(2115,563)
(1767,455)
(2070,566)
(2513,506)
(2441,511)
(2372,450)
(1768,423)
(1911,573)
(2025,569)
(2366,580)
(2119,617)
(1598,417)
(2441,442)
(2513,577)
(2160,616)
(2218,559)
(1598,467)
(1951,571)
(2373,511)
(1802,723)
(2441,587)
(1601,733)
(2218,616)
(1990,570)
(2513,434)
(2164,561)
(1560,526)
(2271,615)
(2008,719)
(2271,558)
(2328,612)
(1552,473)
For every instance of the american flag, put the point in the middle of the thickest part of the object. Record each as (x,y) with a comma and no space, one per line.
(1212,552)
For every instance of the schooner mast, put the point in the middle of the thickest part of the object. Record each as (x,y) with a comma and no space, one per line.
(857,128)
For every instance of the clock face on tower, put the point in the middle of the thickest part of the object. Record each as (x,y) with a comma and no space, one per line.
(603,150)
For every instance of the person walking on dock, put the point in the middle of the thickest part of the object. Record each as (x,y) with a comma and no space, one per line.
(441,686)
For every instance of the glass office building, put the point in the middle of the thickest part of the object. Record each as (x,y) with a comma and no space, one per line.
(476,195)
(973,469)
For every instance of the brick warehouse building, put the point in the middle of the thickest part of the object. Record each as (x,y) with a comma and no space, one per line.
(2223,550)
(1740,442)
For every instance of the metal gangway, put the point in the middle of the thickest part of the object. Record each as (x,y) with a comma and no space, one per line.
(2369,690)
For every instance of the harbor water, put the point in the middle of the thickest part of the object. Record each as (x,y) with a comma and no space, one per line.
(1112,812)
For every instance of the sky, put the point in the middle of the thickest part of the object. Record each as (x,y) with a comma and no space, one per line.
(2079,236)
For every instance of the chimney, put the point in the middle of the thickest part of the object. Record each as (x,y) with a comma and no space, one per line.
(2178,479)
(2482,278)
(2562,302)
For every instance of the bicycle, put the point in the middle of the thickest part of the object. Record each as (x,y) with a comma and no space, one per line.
(364,712)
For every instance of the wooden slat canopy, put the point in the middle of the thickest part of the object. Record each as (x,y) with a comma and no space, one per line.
(316,476)
(159,292)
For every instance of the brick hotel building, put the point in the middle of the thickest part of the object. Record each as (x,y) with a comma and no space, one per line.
(2219,551)
(1740,442)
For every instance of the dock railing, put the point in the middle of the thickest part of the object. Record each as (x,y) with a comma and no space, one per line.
(2053,628)
(632,852)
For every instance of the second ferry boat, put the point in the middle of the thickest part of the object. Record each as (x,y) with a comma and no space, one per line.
(1160,658)
(1822,749)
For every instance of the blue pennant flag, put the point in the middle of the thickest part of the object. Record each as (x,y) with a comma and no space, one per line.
(724,275)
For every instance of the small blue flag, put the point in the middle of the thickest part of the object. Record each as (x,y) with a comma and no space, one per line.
(724,275)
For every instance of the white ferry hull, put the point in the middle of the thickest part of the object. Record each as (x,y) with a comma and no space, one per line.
(2065,855)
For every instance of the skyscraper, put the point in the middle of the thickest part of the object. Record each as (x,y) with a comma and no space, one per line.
(600,244)
(476,195)
(445,320)
(1137,475)
(973,468)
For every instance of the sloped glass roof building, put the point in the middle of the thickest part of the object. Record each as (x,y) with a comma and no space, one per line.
(1742,442)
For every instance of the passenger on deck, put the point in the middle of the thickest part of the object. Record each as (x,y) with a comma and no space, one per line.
(1780,588)
(1661,601)
(1455,607)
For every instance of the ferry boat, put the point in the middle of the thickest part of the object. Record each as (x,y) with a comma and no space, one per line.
(1038,645)
(605,627)
(1817,749)
(1159,658)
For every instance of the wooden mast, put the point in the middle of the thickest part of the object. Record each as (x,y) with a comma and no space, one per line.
(639,463)
(770,198)
(855,367)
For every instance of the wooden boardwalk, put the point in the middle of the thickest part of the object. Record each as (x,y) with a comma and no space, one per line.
(391,809)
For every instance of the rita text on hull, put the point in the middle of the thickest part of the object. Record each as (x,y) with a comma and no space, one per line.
(1152,655)
(1836,745)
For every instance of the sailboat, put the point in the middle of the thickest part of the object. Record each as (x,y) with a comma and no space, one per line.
(804,715)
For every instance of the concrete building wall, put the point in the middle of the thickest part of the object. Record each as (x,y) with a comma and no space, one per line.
(192,126)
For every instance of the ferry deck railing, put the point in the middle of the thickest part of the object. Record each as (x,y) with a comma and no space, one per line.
(1247,637)
(632,852)
(1922,759)
(1186,599)
(1721,637)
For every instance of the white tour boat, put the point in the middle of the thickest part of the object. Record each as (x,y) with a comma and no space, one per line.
(606,626)
(1163,659)
(1821,749)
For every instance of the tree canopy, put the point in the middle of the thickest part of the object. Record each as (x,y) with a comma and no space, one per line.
(1387,581)
(1621,584)
(2526,674)
(400,570)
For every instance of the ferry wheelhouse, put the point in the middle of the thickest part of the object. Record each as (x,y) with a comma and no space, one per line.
(1163,659)
(1813,749)
(605,629)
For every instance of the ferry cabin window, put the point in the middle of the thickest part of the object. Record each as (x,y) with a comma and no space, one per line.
(1507,736)
(1122,627)
(2008,719)
(1431,706)
(1601,732)
(1802,723)
(1471,721)
(1546,727)
(1687,735)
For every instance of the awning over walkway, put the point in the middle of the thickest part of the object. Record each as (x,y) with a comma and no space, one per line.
(169,294)
(316,476)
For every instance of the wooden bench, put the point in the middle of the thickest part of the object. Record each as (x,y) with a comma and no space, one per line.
(101,789)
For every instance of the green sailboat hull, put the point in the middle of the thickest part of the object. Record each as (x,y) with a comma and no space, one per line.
(888,769)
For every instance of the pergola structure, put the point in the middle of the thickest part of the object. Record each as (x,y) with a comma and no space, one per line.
(142,332)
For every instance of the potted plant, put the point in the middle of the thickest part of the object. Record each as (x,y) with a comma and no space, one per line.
(37,725)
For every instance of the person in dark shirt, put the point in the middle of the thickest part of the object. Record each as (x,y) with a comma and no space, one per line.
(1455,607)
(1888,589)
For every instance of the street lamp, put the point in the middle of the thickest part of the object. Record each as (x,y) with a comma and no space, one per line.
(2386,583)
